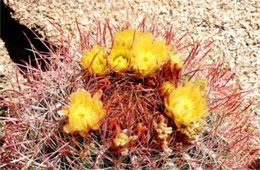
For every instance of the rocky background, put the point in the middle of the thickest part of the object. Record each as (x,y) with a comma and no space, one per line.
(233,24)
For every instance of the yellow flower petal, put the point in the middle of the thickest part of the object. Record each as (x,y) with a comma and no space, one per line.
(125,38)
(175,59)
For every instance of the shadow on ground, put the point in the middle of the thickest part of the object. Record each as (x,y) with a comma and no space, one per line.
(13,34)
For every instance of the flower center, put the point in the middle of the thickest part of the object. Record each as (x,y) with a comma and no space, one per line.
(120,59)
(183,107)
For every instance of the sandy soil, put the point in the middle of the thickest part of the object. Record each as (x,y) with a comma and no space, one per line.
(8,71)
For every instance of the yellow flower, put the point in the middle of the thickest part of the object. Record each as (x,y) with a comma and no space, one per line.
(186,105)
(175,59)
(119,58)
(166,88)
(120,55)
(84,113)
(148,55)
(94,60)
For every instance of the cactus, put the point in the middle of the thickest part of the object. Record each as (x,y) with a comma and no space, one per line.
(138,103)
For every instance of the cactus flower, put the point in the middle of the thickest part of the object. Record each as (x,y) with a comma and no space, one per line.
(94,60)
(119,58)
(84,113)
(149,55)
(186,105)
(166,88)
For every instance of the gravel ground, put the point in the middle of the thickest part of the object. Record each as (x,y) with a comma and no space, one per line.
(8,71)
(233,24)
